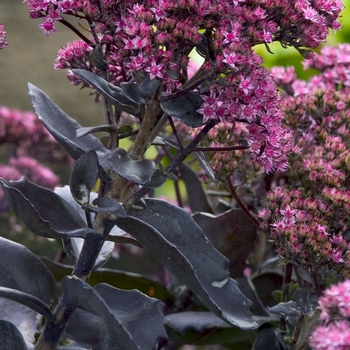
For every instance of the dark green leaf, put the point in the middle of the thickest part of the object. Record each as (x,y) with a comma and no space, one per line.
(111,92)
(185,108)
(23,271)
(197,197)
(177,242)
(43,211)
(62,127)
(131,91)
(116,278)
(204,328)
(232,234)
(27,300)
(138,171)
(83,177)
(148,87)
(10,337)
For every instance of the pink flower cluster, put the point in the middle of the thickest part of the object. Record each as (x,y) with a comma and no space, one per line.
(27,139)
(334,333)
(28,136)
(309,217)
(3,35)
(156,37)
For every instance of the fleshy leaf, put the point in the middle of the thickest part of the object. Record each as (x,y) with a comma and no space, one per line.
(185,108)
(24,271)
(268,338)
(138,171)
(146,322)
(11,337)
(289,308)
(116,278)
(177,242)
(158,179)
(197,197)
(27,300)
(24,318)
(108,206)
(232,234)
(205,165)
(131,91)
(122,311)
(148,87)
(43,211)
(111,92)
(83,177)
(203,328)
(72,245)
(91,129)
(62,127)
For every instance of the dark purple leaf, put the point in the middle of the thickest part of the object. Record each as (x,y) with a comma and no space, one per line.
(289,308)
(141,315)
(125,315)
(110,92)
(108,206)
(197,197)
(185,108)
(138,171)
(27,300)
(203,328)
(22,317)
(267,283)
(91,129)
(23,271)
(205,165)
(43,211)
(116,278)
(268,338)
(148,87)
(178,242)
(62,127)
(302,297)
(83,177)
(131,91)
(11,337)
(158,179)
(232,234)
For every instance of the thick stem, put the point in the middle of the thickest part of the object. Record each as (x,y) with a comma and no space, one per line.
(52,333)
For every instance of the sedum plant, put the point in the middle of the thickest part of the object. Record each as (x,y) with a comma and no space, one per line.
(135,56)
